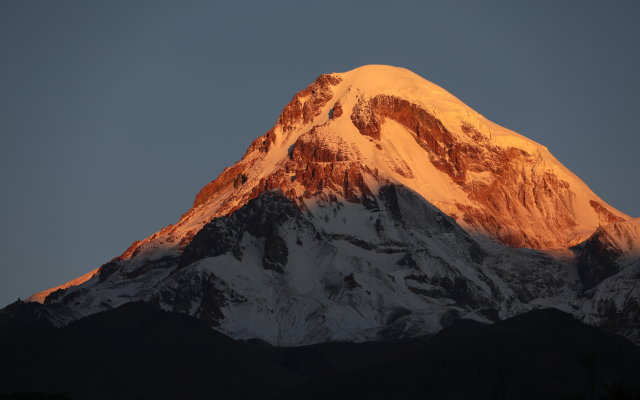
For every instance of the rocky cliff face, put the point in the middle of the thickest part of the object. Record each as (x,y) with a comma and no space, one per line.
(378,205)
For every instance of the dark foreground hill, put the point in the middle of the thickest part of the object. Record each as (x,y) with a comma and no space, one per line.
(544,354)
(137,352)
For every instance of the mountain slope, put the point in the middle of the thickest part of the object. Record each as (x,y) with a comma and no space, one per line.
(611,248)
(378,205)
(609,267)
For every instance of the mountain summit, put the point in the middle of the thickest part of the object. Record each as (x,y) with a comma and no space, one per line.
(348,134)
(378,205)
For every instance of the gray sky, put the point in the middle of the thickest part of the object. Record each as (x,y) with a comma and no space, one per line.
(113,114)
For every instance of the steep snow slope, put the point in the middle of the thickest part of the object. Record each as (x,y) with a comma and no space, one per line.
(294,275)
(379,204)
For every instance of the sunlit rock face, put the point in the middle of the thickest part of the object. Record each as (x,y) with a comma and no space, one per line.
(378,205)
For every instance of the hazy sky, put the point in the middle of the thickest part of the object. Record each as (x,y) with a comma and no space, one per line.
(113,114)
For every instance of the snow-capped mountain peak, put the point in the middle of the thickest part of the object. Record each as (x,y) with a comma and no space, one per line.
(379,124)
(377,205)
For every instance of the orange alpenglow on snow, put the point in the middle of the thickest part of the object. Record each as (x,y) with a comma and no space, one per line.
(40,296)
(394,126)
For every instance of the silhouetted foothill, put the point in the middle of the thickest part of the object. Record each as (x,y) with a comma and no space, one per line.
(34,396)
(544,354)
(138,352)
